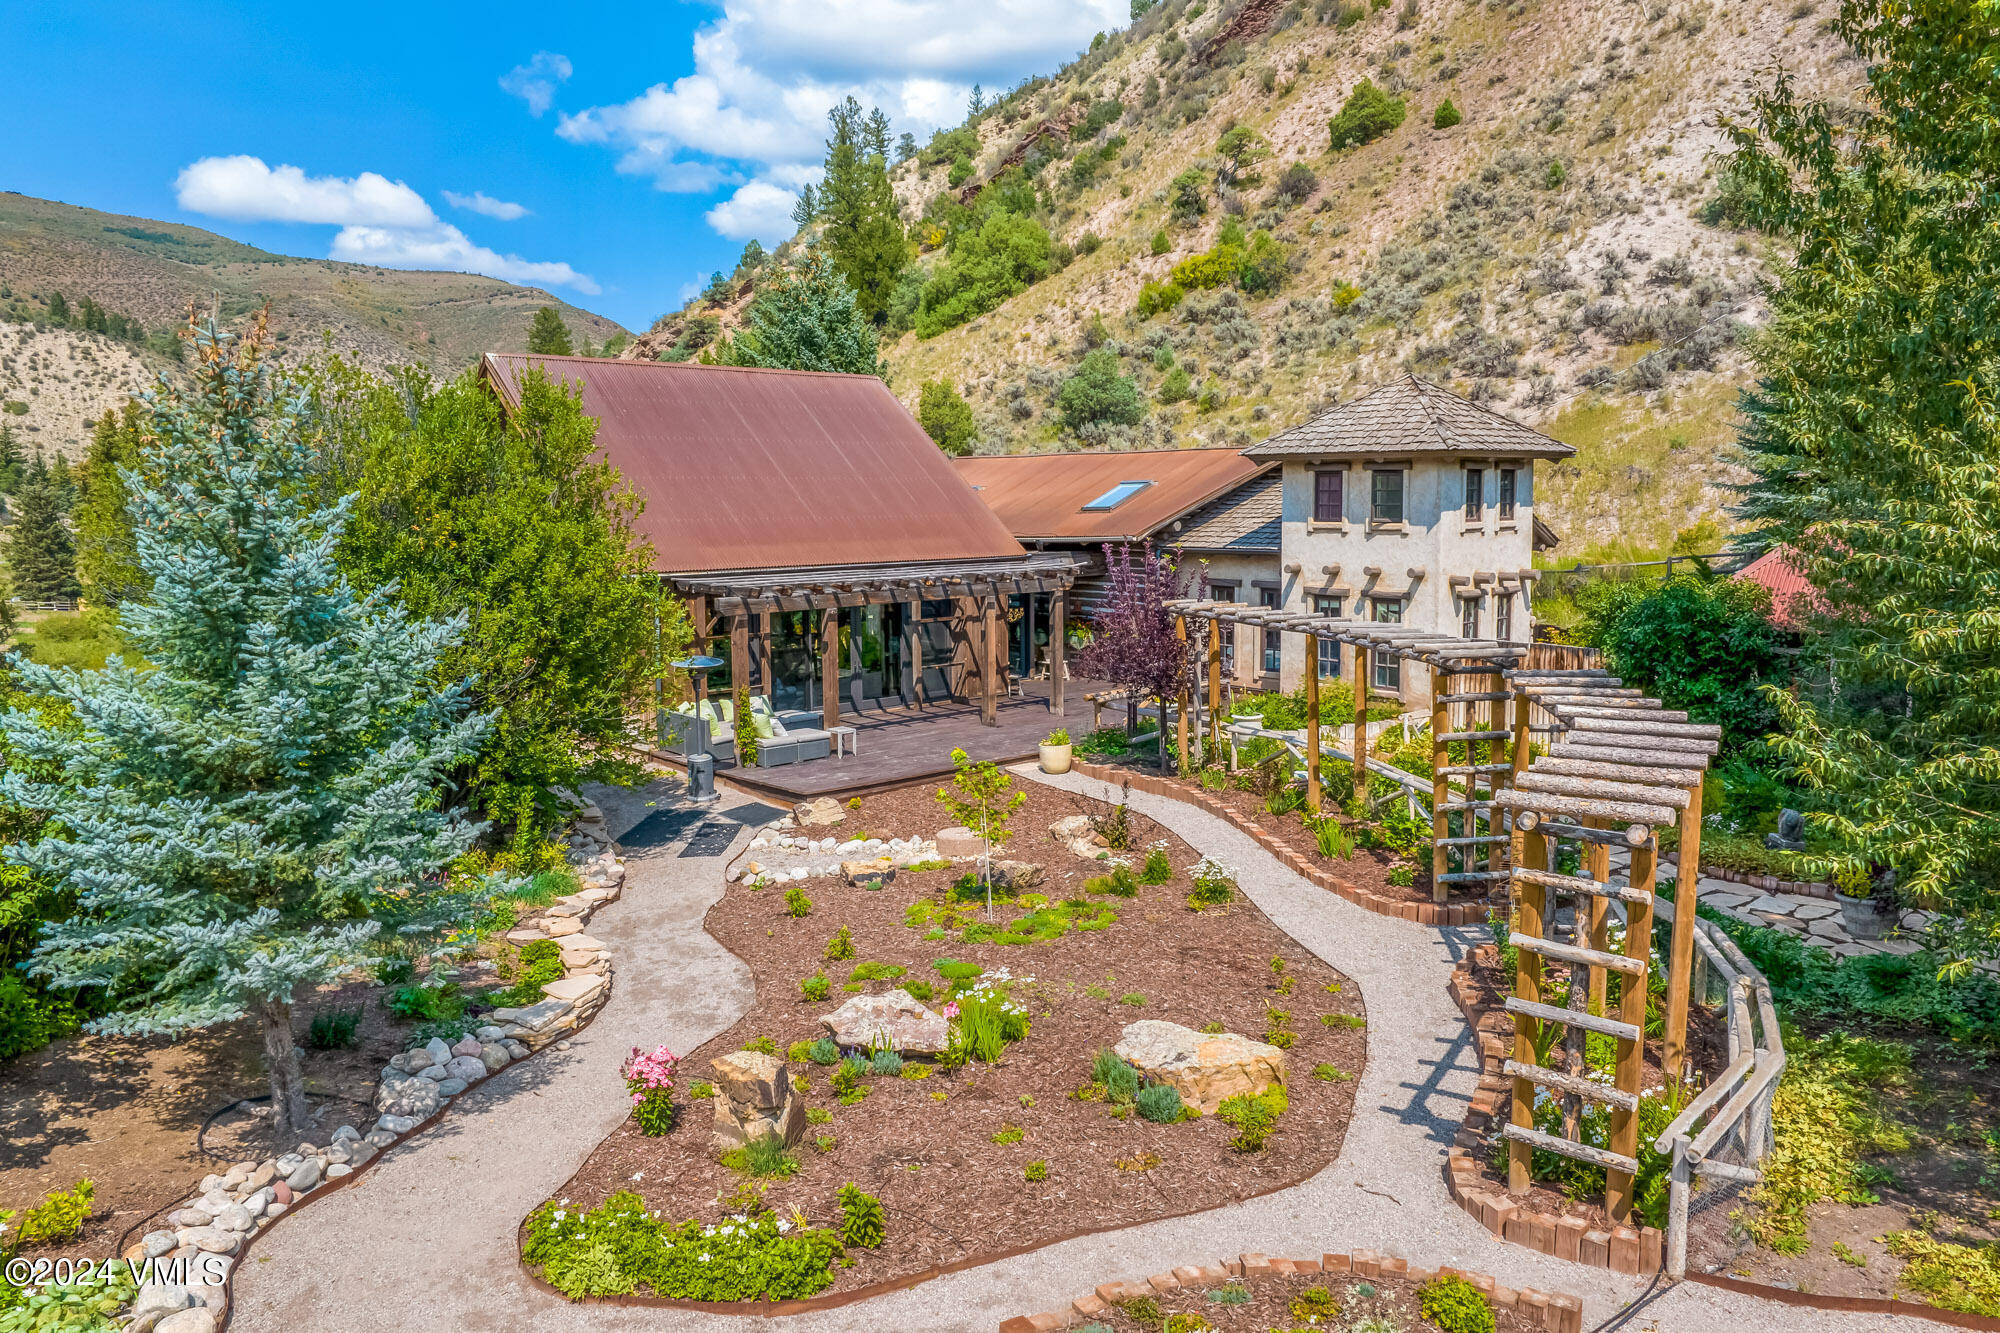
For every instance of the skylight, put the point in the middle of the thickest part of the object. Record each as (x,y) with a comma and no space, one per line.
(1116,496)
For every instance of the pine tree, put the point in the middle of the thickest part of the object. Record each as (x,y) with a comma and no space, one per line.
(64,482)
(807,318)
(58,308)
(864,232)
(906,147)
(548,335)
(975,105)
(257,812)
(107,554)
(41,559)
(13,463)
(806,210)
(1873,440)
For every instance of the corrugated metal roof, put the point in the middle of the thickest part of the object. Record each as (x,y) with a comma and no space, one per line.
(1249,518)
(764,469)
(1041,497)
(1792,596)
(1409,416)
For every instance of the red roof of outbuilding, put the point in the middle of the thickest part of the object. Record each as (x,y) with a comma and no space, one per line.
(1792,597)
(746,469)
(1042,496)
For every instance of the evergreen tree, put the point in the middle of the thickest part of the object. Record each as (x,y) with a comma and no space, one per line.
(258,810)
(946,418)
(58,308)
(864,233)
(807,318)
(877,134)
(548,335)
(63,480)
(1873,439)
(975,105)
(107,554)
(38,470)
(906,147)
(41,559)
(13,463)
(806,211)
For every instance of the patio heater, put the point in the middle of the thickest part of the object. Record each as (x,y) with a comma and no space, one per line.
(700,762)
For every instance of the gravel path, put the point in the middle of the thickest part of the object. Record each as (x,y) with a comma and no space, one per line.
(427,1239)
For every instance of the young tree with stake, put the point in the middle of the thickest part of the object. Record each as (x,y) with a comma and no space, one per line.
(979,797)
(251,814)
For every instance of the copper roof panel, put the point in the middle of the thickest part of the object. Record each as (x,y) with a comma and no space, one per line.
(1041,497)
(767,469)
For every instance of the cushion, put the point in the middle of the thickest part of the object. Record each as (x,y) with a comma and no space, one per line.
(766,725)
(728,707)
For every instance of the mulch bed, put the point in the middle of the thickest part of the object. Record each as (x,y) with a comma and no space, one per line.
(925,1147)
(1395,1300)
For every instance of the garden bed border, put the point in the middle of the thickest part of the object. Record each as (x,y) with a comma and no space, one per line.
(1768,883)
(1557,1312)
(1428,914)
(1636,1251)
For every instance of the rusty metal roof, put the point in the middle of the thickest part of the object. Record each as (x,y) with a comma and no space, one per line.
(768,469)
(1409,416)
(1042,497)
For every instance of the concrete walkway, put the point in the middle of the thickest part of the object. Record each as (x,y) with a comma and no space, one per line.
(427,1239)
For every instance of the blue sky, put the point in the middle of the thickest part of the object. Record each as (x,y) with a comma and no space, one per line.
(613,154)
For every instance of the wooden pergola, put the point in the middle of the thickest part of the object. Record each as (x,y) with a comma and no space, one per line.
(978,589)
(1620,768)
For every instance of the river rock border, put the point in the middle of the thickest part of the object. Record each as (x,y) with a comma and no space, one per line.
(231,1209)
(1555,1312)
(1636,1251)
(1428,914)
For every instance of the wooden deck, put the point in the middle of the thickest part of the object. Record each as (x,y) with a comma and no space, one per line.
(896,746)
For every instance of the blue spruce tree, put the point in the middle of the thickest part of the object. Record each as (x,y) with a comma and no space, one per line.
(253,811)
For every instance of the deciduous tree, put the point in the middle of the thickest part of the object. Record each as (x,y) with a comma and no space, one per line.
(946,417)
(1133,643)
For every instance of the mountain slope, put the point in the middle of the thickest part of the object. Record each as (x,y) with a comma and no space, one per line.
(152,271)
(1546,254)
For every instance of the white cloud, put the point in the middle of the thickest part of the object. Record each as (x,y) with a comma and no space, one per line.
(444,246)
(753,112)
(482,203)
(535,82)
(244,189)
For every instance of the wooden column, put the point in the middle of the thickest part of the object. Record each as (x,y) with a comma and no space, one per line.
(1441,785)
(739,652)
(989,664)
(1314,800)
(1496,720)
(1597,911)
(1181,727)
(1214,687)
(969,628)
(1619,1195)
(829,668)
(1687,883)
(1361,655)
(1059,641)
(1530,852)
(913,639)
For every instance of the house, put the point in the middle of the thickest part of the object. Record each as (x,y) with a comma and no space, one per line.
(826,550)
(1793,597)
(1213,505)
(1407,505)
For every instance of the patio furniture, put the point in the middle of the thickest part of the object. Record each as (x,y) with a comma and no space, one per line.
(842,736)
(792,740)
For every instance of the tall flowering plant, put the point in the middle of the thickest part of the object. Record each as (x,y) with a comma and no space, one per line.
(649,1078)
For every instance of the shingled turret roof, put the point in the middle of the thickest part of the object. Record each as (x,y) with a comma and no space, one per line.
(1409,416)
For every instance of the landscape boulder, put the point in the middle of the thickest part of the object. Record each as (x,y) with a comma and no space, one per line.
(754,1100)
(958,842)
(818,813)
(895,1019)
(1204,1068)
(1017,876)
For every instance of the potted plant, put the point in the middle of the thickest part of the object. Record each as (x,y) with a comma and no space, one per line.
(1056,752)
(1861,909)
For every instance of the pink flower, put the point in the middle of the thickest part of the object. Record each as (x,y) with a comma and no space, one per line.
(951,1009)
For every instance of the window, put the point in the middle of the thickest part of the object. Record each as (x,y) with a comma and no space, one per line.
(1475,494)
(1468,617)
(1226,592)
(1503,618)
(1329,649)
(1386,502)
(1116,496)
(1327,506)
(1274,639)
(1388,667)
(1506,494)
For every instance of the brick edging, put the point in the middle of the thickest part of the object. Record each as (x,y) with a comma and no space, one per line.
(1556,1312)
(1429,914)
(1638,1251)
(1767,883)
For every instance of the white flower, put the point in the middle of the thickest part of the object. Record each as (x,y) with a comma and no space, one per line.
(638,1175)
(783,1225)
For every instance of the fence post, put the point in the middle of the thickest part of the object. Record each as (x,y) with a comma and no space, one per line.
(1441,786)
(1313,798)
(1678,1183)
(1361,724)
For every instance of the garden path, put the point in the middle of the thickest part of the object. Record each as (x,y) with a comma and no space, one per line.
(1817,921)
(427,1238)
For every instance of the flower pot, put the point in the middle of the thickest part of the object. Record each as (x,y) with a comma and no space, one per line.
(1248,720)
(1055,758)
(1863,917)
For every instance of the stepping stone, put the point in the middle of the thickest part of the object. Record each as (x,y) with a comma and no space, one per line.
(573,989)
(1764,902)
(561,926)
(1814,911)
(585,942)
(1828,929)
(525,935)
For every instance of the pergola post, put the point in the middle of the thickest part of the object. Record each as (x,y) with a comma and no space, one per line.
(1181,724)
(1597,914)
(1314,800)
(989,664)
(1530,853)
(1619,1194)
(739,652)
(1496,720)
(1361,655)
(1441,786)
(1214,685)
(1058,641)
(829,668)
(1687,884)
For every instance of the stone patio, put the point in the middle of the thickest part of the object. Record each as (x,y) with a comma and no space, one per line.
(1814,920)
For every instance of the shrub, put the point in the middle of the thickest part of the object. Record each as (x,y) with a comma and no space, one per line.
(1120,1080)
(860,1217)
(435,1004)
(1315,1305)
(796,902)
(1367,115)
(1210,268)
(876,972)
(954,971)
(1252,1117)
(1403,876)
(1158,869)
(1445,116)
(839,948)
(1185,195)
(1156,298)
(1327,1073)
(919,991)
(59,1216)
(1160,242)
(1214,884)
(1118,884)
(946,417)
(335,1029)
(1456,1306)
(816,987)
(1003,255)
(1159,1103)
(763,1045)
(1037,1170)
(619,1246)
(1296,183)
(824,1052)
(1097,393)
(888,1064)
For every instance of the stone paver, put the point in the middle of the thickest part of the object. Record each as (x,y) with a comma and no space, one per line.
(427,1240)
(1814,920)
